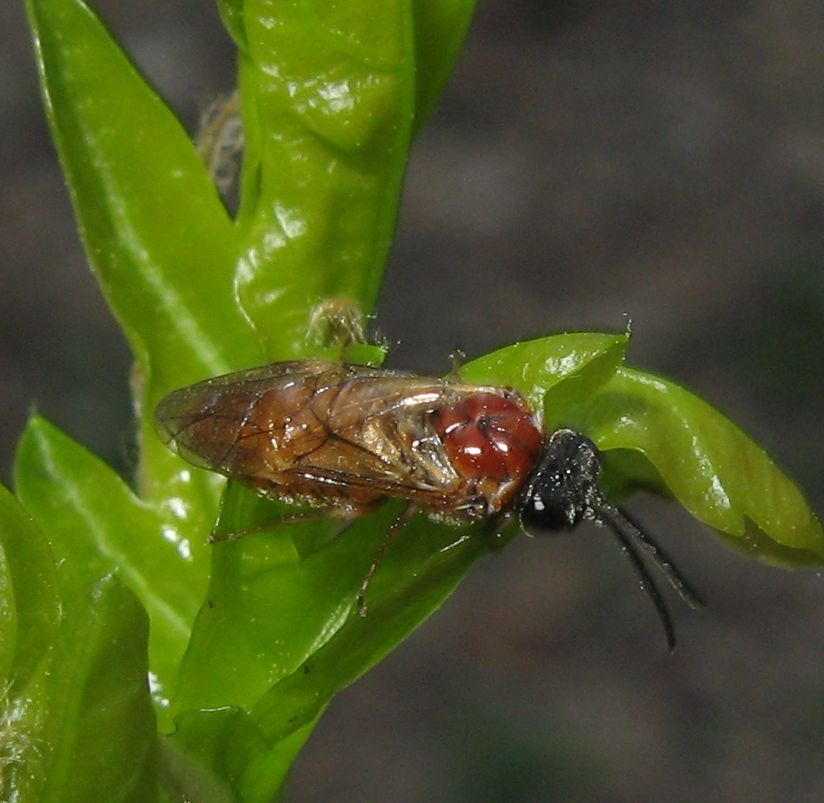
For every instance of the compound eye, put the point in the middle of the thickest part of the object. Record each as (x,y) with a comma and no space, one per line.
(540,516)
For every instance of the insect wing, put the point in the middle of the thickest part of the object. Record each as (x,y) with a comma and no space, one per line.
(317,430)
(205,423)
(379,436)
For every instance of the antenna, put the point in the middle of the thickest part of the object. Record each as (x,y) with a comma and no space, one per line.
(627,531)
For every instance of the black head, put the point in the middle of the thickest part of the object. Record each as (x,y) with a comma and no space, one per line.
(563,490)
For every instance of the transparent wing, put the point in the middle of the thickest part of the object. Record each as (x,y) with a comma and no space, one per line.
(315,423)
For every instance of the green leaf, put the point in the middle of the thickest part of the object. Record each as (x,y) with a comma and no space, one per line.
(96,526)
(627,472)
(29,601)
(78,724)
(31,611)
(270,614)
(413,581)
(100,729)
(23,752)
(556,372)
(440,29)
(660,437)
(327,97)
(157,235)
(222,751)
(8,616)
(268,608)
(231,12)
(193,757)
(706,461)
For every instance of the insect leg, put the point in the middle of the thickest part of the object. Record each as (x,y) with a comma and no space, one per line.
(393,530)
(337,321)
(495,527)
(296,518)
(456,358)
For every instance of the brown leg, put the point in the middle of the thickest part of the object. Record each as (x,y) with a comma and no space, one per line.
(296,518)
(393,530)
(494,528)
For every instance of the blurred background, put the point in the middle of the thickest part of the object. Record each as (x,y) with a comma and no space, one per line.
(591,162)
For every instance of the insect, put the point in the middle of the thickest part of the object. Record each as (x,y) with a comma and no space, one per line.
(345,438)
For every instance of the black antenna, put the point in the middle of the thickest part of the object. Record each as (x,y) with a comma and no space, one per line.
(625,530)
(662,560)
(563,490)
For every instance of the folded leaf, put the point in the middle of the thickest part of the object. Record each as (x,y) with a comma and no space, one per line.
(555,372)
(97,526)
(156,233)
(29,599)
(440,28)
(327,97)
(706,462)
(412,583)
(223,752)
(81,726)
(99,734)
